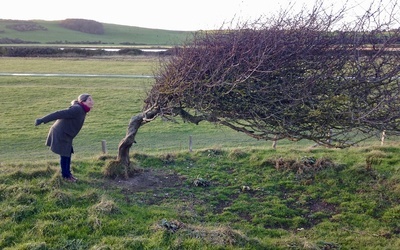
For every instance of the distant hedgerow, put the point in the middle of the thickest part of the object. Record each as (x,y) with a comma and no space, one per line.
(83,25)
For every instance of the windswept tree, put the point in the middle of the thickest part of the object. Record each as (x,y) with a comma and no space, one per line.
(303,76)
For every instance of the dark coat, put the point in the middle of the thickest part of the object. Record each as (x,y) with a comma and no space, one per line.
(69,123)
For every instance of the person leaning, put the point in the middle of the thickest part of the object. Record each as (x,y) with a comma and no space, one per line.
(61,134)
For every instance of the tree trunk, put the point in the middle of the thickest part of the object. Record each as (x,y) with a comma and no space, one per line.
(134,125)
(126,143)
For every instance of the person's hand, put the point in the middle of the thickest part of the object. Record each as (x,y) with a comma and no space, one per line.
(38,122)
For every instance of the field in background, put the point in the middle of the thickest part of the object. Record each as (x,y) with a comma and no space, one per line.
(26,98)
(113,35)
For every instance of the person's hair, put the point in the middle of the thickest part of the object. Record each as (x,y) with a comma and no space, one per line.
(81,98)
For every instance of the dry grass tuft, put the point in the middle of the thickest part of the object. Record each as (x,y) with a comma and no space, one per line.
(114,169)
(304,165)
(221,236)
(105,206)
(374,158)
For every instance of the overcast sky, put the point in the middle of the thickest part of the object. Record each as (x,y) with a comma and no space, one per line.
(187,15)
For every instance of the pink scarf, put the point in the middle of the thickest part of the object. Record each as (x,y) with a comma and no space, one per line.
(86,108)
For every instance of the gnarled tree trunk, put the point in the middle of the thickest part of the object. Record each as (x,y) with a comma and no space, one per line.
(134,125)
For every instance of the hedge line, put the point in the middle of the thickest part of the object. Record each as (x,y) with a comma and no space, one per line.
(62,52)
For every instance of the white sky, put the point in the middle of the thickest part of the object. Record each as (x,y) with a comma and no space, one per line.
(163,14)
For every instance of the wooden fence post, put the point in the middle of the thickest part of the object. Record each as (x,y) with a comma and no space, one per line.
(383,137)
(190,143)
(275,141)
(104,146)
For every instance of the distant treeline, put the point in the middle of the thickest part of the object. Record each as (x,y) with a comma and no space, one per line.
(69,52)
(23,25)
(83,25)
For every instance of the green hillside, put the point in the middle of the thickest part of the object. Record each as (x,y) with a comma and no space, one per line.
(50,32)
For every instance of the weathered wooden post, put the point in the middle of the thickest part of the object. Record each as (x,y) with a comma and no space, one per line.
(383,137)
(275,141)
(190,143)
(104,146)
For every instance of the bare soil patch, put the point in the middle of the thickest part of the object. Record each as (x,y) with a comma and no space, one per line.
(150,179)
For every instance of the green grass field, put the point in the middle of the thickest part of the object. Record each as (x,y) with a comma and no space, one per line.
(116,100)
(231,192)
(114,35)
(26,98)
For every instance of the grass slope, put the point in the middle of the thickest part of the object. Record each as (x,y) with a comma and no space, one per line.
(208,199)
(113,35)
(26,98)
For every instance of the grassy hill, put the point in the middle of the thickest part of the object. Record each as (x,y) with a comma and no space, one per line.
(50,32)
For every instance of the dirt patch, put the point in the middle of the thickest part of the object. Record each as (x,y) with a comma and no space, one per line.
(150,179)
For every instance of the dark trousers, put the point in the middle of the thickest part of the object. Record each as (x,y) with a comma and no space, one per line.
(65,163)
